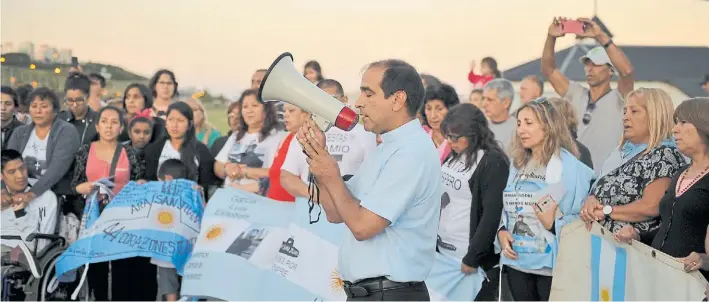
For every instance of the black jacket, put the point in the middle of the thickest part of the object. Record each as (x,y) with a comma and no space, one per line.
(486,185)
(205,177)
(86,127)
(7,131)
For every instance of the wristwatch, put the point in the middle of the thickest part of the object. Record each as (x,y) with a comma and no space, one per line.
(607,210)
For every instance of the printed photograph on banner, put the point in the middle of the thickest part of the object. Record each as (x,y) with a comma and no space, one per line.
(526,229)
(311,262)
(266,251)
(219,234)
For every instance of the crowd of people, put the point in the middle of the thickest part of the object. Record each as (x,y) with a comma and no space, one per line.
(624,157)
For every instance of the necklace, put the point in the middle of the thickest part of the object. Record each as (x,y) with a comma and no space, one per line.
(681,190)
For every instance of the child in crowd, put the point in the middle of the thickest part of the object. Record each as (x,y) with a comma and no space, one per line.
(488,68)
(168,279)
(140,131)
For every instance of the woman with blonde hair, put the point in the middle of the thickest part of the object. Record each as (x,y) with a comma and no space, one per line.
(684,210)
(544,192)
(206,133)
(569,113)
(636,175)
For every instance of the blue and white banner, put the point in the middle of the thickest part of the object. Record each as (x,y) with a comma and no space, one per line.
(592,266)
(448,283)
(159,220)
(255,248)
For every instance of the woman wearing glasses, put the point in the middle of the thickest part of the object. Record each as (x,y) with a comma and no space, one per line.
(545,190)
(636,175)
(474,176)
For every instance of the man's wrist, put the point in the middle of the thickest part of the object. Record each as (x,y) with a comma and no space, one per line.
(602,38)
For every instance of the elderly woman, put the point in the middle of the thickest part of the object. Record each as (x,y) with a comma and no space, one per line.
(436,105)
(48,145)
(635,176)
(684,210)
(545,190)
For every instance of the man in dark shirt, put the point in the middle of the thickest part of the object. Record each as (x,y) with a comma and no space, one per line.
(76,90)
(9,103)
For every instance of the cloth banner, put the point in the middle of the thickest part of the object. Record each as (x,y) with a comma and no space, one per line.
(447,283)
(592,266)
(160,220)
(255,248)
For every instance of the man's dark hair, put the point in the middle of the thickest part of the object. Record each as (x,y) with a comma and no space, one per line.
(174,168)
(99,78)
(23,93)
(11,92)
(77,81)
(325,83)
(9,155)
(45,94)
(401,76)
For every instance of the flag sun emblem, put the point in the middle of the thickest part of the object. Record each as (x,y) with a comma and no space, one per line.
(165,218)
(336,283)
(214,232)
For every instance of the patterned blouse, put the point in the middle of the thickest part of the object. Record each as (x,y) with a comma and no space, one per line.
(627,183)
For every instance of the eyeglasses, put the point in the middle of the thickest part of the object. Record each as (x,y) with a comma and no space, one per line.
(589,110)
(76,100)
(453,137)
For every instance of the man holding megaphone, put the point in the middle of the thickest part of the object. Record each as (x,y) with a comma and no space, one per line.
(391,205)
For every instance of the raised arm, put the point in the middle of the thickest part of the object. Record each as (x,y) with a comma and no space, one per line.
(557,79)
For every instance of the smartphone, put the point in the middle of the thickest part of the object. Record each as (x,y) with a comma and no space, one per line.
(74,62)
(550,197)
(573,27)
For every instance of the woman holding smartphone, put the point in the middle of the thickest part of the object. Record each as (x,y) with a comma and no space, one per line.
(545,190)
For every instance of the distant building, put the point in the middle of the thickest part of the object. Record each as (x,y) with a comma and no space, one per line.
(41,53)
(7,47)
(65,55)
(26,48)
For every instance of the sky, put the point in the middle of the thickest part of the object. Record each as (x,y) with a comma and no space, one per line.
(217,44)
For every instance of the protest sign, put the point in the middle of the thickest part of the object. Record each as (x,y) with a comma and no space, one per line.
(288,258)
(592,266)
(159,220)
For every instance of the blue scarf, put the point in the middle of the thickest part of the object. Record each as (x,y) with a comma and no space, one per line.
(626,152)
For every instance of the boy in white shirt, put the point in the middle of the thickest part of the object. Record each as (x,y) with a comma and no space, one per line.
(21,217)
(350,148)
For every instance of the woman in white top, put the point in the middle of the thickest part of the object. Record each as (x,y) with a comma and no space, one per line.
(245,158)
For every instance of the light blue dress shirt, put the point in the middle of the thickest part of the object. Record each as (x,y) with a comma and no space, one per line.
(401,182)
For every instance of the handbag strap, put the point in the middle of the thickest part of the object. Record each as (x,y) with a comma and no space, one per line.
(114,161)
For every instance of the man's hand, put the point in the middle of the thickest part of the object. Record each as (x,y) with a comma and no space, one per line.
(321,164)
(467,269)
(555,28)
(592,29)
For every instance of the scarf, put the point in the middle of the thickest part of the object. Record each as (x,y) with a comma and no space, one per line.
(627,152)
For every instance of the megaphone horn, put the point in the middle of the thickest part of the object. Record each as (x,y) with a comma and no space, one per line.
(283,82)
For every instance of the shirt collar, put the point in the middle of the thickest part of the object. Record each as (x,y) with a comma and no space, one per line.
(402,132)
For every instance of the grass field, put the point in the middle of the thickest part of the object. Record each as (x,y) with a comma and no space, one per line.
(217,117)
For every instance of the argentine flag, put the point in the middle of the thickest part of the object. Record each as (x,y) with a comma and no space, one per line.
(608,270)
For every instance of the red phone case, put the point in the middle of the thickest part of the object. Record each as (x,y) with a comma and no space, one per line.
(572,27)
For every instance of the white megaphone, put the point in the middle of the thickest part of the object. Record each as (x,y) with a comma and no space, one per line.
(283,82)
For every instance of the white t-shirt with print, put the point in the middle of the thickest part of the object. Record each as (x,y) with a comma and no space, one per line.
(35,156)
(349,148)
(169,152)
(250,151)
(456,201)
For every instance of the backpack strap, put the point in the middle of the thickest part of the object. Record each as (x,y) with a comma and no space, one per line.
(114,161)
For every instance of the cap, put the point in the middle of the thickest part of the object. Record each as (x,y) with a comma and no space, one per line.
(598,56)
